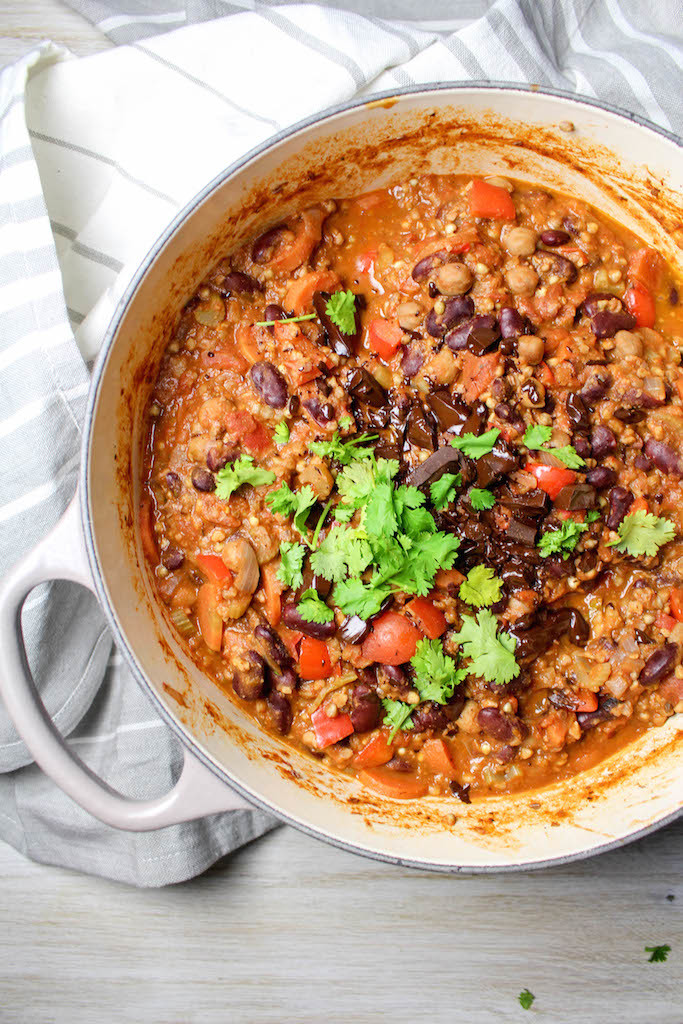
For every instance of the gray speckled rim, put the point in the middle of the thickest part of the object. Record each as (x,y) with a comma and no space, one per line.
(98,377)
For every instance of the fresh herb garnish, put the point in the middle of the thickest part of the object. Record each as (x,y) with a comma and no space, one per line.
(561,541)
(397,715)
(287,502)
(342,553)
(569,455)
(491,653)
(341,309)
(344,452)
(346,422)
(242,471)
(475,446)
(642,533)
(526,999)
(312,608)
(537,437)
(481,588)
(354,597)
(436,674)
(658,953)
(444,490)
(291,563)
(481,498)
(285,320)
(281,433)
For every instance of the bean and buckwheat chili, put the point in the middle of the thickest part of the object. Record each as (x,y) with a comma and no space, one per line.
(413,486)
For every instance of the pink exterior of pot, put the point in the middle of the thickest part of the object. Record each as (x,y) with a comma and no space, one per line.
(564,143)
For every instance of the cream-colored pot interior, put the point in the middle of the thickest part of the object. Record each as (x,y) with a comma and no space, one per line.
(627,170)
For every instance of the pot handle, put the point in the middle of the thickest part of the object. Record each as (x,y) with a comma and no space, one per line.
(198,791)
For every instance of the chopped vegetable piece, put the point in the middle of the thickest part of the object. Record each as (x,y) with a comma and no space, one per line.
(491,653)
(642,534)
(640,303)
(210,622)
(646,267)
(384,338)
(438,757)
(314,659)
(392,640)
(214,568)
(475,446)
(676,602)
(399,785)
(427,617)
(491,201)
(341,309)
(330,730)
(397,715)
(481,588)
(243,471)
(378,751)
(551,479)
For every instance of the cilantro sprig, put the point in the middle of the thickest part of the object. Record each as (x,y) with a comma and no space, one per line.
(312,608)
(292,557)
(561,541)
(398,715)
(285,320)
(481,588)
(344,452)
(536,438)
(481,499)
(341,309)
(641,534)
(492,653)
(287,502)
(436,673)
(475,446)
(658,954)
(242,471)
(444,490)
(281,433)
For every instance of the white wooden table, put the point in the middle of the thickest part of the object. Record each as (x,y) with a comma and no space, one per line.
(290,930)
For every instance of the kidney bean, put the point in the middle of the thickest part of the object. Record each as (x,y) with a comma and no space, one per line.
(262,247)
(629,415)
(239,283)
(577,412)
(174,483)
(429,716)
(365,710)
(217,458)
(274,646)
(270,384)
(286,682)
(320,630)
(551,264)
(411,360)
(583,446)
(495,723)
(601,476)
(606,324)
(202,480)
(660,664)
(273,312)
(281,711)
(456,309)
(250,683)
(642,461)
(475,335)
(596,388)
(512,323)
(453,709)
(394,674)
(322,412)
(554,238)
(591,304)
(589,719)
(603,441)
(425,266)
(578,630)
(663,456)
(505,754)
(620,501)
(354,630)
(172,558)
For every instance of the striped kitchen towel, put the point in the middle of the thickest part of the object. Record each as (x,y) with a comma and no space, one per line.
(91,170)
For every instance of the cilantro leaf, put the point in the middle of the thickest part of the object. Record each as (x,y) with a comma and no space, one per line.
(397,715)
(416,521)
(658,953)
(642,533)
(355,484)
(481,587)
(354,597)
(281,433)
(243,471)
(536,436)
(427,554)
(436,674)
(291,562)
(526,999)
(444,490)
(346,422)
(344,451)
(481,498)
(341,309)
(287,502)
(474,447)
(379,516)
(491,653)
(342,553)
(592,516)
(561,541)
(569,456)
(313,609)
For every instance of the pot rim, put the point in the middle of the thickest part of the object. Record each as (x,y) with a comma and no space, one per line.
(98,374)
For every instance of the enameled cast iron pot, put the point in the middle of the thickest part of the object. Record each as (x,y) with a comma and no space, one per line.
(628,169)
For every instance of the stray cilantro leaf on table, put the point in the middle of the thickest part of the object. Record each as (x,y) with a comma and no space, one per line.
(444,490)
(475,446)
(481,498)
(436,673)
(313,609)
(658,953)
(242,471)
(526,999)
(341,309)
(291,562)
(344,452)
(491,653)
(287,502)
(281,433)
(397,715)
(642,534)
(481,587)
(561,541)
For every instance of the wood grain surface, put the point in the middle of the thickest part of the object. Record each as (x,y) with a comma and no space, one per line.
(291,931)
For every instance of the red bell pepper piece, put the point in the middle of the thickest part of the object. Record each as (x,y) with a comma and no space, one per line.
(330,730)
(551,479)
(491,201)
(314,659)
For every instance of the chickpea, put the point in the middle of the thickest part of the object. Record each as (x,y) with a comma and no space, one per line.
(409,315)
(626,343)
(521,280)
(453,279)
(520,241)
(530,349)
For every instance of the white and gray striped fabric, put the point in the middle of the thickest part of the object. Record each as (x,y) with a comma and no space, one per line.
(91,171)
